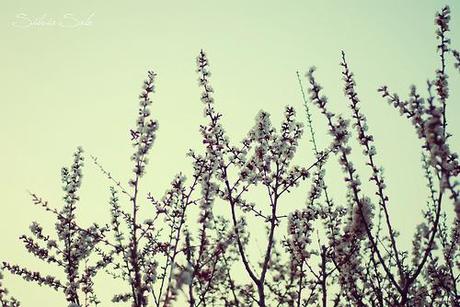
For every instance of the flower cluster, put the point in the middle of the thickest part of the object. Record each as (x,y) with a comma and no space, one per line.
(4,299)
(299,229)
(144,134)
(361,218)
(456,55)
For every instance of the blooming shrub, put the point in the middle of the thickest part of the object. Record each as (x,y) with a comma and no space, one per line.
(72,247)
(185,250)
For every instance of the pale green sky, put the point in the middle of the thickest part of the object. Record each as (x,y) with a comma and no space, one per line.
(69,86)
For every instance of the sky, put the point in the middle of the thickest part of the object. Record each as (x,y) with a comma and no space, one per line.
(71,72)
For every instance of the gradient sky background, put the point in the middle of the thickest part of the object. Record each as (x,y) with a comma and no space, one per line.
(69,86)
